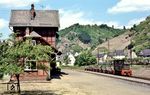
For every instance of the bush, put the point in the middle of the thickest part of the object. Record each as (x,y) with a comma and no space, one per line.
(85,58)
(76,48)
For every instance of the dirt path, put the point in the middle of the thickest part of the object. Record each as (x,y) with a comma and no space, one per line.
(78,83)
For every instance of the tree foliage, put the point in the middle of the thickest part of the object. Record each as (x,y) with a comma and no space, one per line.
(141,38)
(91,34)
(85,58)
(3,49)
(14,57)
(76,48)
(104,26)
(84,37)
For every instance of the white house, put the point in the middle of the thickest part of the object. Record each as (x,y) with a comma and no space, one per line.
(119,54)
(71,59)
(101,58)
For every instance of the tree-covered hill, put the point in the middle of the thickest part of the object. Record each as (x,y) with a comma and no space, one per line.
(141,38)
(87,36)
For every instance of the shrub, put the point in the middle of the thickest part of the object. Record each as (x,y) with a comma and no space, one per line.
(85,58)
(76,48)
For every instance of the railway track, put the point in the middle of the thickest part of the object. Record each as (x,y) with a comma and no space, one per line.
(140,78)
(133,79)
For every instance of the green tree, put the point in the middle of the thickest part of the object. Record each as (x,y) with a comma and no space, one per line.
(89,34)
(85,58)
(85,37)
(100,40)
(15,56)
(3,48)
(76,48)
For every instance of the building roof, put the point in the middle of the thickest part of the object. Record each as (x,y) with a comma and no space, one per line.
(111,54)
(145,53)
(119,53)
(43,18)
(100,55)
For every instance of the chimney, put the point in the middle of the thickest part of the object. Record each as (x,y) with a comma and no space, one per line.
(32,11)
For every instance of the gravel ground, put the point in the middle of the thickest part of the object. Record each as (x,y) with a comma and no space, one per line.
(142,72)
(79,83)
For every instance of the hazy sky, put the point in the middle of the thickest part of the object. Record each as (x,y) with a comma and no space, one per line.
(112,12)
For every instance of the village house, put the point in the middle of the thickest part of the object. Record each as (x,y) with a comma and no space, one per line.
(71,59)
(145,53)
(119,54)
(39,25)
(101,58)
(104,57)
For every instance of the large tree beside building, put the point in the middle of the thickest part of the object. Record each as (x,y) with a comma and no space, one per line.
(16,56)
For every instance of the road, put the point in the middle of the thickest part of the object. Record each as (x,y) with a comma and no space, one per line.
(88,84)
(80,83)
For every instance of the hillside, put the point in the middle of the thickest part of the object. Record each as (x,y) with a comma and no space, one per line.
(118,43)
(137,38)
(141,39)
(86,36)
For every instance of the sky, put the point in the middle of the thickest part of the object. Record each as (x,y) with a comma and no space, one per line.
(111,12)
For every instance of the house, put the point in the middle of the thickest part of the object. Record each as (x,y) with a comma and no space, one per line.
(131,54)
(67,59)
(71,59)
(119,54)
(39,25)
(101,58)
(110,55)
(145,53)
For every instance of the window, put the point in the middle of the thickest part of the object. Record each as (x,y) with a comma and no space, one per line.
(30,65)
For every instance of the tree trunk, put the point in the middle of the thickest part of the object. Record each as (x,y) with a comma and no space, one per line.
(18,82)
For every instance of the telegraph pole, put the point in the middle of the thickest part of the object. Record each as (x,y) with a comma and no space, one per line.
(98,56)
(108,45)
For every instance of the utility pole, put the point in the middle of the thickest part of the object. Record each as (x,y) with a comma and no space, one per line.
(98,56)
(107,58)
(131,56)
(108,45)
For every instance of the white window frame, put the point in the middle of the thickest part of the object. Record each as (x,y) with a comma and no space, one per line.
(29,67)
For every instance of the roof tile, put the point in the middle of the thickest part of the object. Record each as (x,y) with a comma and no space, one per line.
(43,18)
